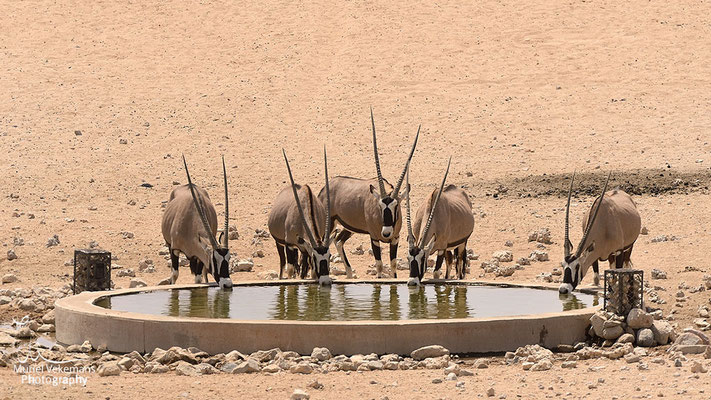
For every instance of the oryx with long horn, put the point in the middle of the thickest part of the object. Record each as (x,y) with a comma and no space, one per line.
(371,207)
(294,230)
(610,230)
(446,230)
(189,226)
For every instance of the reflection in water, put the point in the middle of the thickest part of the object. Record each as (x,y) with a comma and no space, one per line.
(343,302)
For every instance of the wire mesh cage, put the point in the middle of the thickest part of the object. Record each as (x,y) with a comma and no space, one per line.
(92,270)
(624,290)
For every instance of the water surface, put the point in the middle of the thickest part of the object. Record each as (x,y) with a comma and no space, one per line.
(349,302)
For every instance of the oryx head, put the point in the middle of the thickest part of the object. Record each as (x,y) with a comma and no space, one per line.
(318,248)
(573,271)
(388,202)
(219,253)
(419,252)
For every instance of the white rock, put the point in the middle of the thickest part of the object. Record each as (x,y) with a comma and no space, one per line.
(269,275)
(11,255)
(542,235)
(246,367)
(110,368)
(638,319)
(503,256)
(698,368)
(429,352)
(9,278)
(321,354)
(137,282)
(539,255)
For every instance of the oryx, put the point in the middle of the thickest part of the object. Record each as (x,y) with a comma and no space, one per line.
(189,226)
(368,206)
(610,230)
(294,231)
(449,224)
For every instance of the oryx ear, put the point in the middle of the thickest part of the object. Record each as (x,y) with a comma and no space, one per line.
(374,192)
(591,247)
(222,234)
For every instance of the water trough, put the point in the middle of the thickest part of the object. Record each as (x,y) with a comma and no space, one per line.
(353,316)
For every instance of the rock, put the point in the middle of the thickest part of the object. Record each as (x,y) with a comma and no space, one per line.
(626,338)
(243,266)
(504,270)
(569,364)
(436,381)
(539,255)
(481,363)
(5,300)
(632,358)
(698,368)
(125,272)
(11,256)
(163,282)
(315,384)
(123,141)
(503,256)
(53,241)
(7,340)
(127,235)
(490,392)
(543,365)
(690,348)
(645,338)
(644,231)
(110,368)
(542,235)
(638,319)
(126,363)
(429,352)
(247,367)
(300,395)
(661,330)
(265,355)
(451,377)
(228,367)
(206,369)
(271,368)
(48,318)
(137,282)
(612,333)
(688,338)
(321,354)
(301,368)
(9,278)
(185,369)
(268,275)
(658,274)
(45,328)
(597,320)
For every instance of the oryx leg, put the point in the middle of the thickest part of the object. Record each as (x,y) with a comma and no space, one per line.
(292,254)
(340,240)
(282,259)
(448,259)
(627,254)
(175,264)
(304,264)
(393,256)
(596,270)
(375,245)
(462,261)
(619,260)
(438,264)
(203,268)
(611,260)
(195,269)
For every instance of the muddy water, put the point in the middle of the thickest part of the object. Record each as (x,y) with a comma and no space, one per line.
(349,302)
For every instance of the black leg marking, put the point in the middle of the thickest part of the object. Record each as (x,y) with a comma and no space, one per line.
(393,258)
(376,249)
(596,267)
(194,269)
(340,241)
(448,259)
(173,259)
(291,255)
(438,263)
(282,259)
(619,261)
(611,260)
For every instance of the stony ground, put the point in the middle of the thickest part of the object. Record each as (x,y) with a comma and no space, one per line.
(100,99)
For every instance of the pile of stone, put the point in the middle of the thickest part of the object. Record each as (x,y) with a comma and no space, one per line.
(542,235)
(638,327)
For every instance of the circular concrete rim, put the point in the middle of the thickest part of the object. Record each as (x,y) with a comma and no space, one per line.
(85,302)
(79,319)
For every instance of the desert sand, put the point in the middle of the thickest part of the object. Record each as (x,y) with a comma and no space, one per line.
(101,97)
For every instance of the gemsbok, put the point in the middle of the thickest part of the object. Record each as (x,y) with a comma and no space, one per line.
(446,230)
(189,226)
(368,206)
(610,230)
(295,231)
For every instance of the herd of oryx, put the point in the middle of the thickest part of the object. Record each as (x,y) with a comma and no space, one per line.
(302,225)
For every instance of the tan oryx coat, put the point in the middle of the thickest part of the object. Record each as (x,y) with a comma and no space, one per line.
(452,221)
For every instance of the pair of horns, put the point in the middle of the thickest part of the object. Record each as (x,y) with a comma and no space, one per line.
(381,183)
(327,234)
(410,235)
(203,218)
(568,246)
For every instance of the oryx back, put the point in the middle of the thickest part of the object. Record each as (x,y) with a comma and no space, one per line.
(284,221)
(617,225)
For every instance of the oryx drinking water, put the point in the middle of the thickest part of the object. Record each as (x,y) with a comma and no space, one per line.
(610,230)
(368,206)
(294,230)
(189,226)
(446,230)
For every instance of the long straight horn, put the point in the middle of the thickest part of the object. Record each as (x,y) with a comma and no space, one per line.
(410,236)
(407,164)
(434,205)
(377,158)
(298,203)
(199,208)
(592,220)
(225,233)
(327,235)
(567,245)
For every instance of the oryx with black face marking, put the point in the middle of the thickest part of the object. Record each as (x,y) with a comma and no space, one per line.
(294,230)
(361,207)
(449,225)
(189,226)
(610,230)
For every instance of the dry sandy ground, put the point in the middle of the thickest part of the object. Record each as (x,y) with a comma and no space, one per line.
(518,94)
